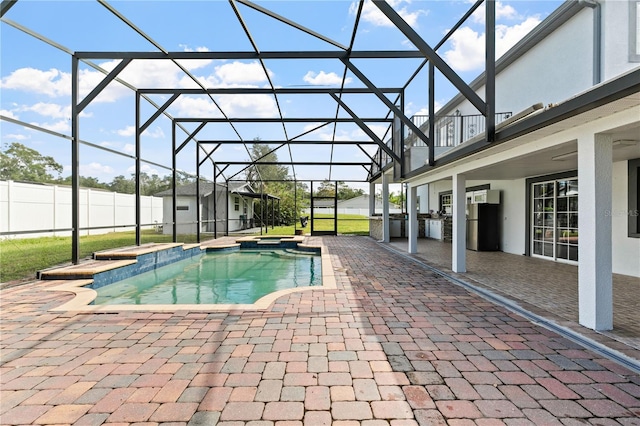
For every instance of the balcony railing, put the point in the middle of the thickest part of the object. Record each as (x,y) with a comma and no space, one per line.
(450,131)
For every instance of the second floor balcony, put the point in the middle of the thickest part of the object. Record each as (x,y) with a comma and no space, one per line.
(449,132)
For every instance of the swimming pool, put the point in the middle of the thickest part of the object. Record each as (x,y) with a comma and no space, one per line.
(220,277)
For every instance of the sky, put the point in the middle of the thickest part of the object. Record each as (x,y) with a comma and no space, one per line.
(35,77)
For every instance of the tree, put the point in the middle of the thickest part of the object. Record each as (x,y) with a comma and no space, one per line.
(396,198)
(326,189)
(19,162)
(345,192)
(274,179)
(265,172)
(85,182)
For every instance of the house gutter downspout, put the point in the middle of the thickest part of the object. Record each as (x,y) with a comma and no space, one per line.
(597,38)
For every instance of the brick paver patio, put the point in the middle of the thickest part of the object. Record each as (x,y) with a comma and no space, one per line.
(395,344)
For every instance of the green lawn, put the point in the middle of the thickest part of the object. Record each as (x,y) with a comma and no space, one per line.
(22,258)
(348,224)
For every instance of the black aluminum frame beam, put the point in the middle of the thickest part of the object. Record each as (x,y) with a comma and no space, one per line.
(427,51)
(320,54)
(291,142)
(361,123)
(291,23)
(6,5)
(269,91)
(280,120)
(292,163)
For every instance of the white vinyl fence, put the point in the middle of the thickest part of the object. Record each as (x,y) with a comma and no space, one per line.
(47,209)
(348,210)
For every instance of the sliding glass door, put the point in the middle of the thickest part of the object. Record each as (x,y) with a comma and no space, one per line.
(555,220)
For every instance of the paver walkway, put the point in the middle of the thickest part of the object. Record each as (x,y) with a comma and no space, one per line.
(394,344)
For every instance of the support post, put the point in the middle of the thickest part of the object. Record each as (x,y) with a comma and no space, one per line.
(174,198)
(227,208)
(137,174)
(266,231)
(198,209)
(385,208)
(215,202)
(459,246)
(372,198)
(490,67)
(75,164)
(412,210)
(595,284)
(432,114)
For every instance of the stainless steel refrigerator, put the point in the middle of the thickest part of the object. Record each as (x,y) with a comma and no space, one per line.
(483,227)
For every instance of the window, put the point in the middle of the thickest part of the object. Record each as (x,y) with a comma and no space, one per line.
(634,31)
(634,198)
(182,208)
(237,203)
(446,203)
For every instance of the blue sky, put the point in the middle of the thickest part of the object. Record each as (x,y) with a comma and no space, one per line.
(35,79)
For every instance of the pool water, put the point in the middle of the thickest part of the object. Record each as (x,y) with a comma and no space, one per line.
(241,276)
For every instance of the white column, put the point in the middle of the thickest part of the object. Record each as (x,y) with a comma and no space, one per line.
(385,208)
(412,209)
(459,246)
(423,193)
(372,198)
(595,287)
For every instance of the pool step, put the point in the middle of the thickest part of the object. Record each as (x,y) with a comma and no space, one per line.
(84,270)
(134,251)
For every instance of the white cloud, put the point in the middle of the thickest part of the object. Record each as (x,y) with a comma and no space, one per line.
(233,105)
(467,51)
(60,126)
(9,114)
(16,136)
(503,11)
(145,169)
(189,106)
(129,149)
(324,79)
(52,83)
(50,110)
(127,131)
(95,169)
(343,135)
(131,131)
(373,15)
(241,73)
(248,105)
(156,134)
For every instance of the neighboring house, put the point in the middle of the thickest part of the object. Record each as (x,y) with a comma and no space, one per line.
(233,205)
(362,202)
(567,173)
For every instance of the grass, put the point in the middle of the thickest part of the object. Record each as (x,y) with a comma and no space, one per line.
(348,224)
(20,259)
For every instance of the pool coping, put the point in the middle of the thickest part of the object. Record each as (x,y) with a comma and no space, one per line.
(84,295)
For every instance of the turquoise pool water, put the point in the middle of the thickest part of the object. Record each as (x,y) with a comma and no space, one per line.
(240,276)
